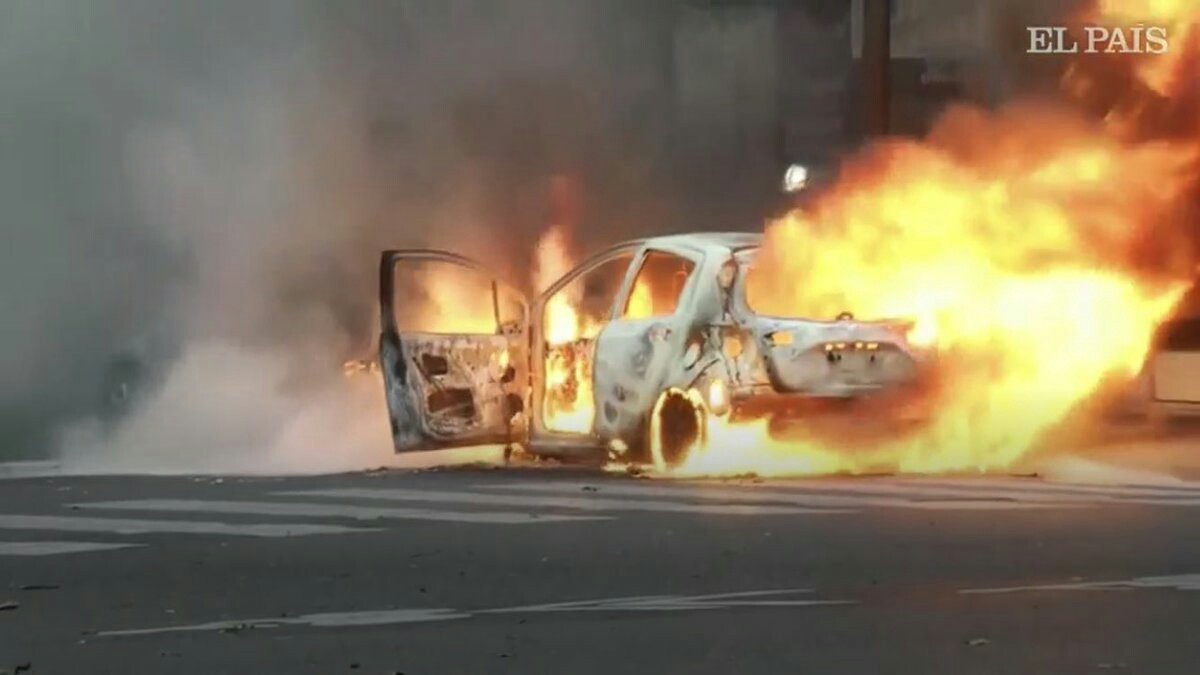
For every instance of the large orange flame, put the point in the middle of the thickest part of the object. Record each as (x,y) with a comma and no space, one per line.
(568,404)
(1033,242)
(1166,72)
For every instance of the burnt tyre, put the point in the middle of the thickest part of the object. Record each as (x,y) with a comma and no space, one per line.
(676,427)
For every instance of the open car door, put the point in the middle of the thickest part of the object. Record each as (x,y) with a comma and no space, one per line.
(564,324)
(453,350)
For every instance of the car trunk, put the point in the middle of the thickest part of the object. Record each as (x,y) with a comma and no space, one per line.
(840,358)
(834,358)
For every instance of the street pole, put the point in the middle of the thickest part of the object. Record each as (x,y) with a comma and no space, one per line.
(876,60)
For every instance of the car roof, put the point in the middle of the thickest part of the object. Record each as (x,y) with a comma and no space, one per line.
(704,240)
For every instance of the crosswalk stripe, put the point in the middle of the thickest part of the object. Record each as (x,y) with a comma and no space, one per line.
(1033,486)
(980,485)
(1179,582)
(1028,491)
(580,503)
(39,548)
(29,469)
(968,494)
(320,510)
(784,597)
(754,495)
(922,489)
(10,521)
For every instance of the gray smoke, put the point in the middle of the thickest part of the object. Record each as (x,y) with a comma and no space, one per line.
(198,192)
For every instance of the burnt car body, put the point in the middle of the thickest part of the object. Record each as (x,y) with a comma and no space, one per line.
(665,323)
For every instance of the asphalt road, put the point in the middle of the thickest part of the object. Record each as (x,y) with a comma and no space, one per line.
(543,571)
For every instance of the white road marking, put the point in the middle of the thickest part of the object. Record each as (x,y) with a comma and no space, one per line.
(917,493)
(1157,502)
(641,603)
(754,495)
(1035,486)
(326,620)
(1022,490)
(967,489)
(10,521)
(29,469)
(580,503)
(37,548)
(1179,582)
(320,510)
(664,603)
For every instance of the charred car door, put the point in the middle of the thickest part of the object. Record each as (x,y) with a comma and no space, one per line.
(567,317)
(638,349)
(453,351)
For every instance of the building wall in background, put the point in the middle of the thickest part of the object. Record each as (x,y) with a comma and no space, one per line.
(726,108)
(973,49)
(725,82)
(817,122)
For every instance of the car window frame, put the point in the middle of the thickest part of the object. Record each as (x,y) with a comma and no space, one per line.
(635,269)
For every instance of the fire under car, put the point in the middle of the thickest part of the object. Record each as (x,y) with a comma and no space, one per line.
(657,327)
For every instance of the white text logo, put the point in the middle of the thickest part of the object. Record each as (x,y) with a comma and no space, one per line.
(1097,40)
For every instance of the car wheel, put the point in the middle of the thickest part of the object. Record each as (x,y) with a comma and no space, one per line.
(677,425)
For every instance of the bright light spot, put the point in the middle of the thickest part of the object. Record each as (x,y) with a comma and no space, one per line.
(795,178)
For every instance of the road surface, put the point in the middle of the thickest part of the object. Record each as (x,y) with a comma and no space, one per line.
(548,571)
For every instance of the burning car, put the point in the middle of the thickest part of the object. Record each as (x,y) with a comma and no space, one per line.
(632,352)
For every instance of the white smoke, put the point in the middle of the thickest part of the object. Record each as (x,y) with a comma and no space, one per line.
(204,188)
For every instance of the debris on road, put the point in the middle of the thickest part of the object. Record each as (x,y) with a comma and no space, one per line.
(978,642)
(9,606)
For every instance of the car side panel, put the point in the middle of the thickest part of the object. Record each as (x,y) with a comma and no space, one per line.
(637,359)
